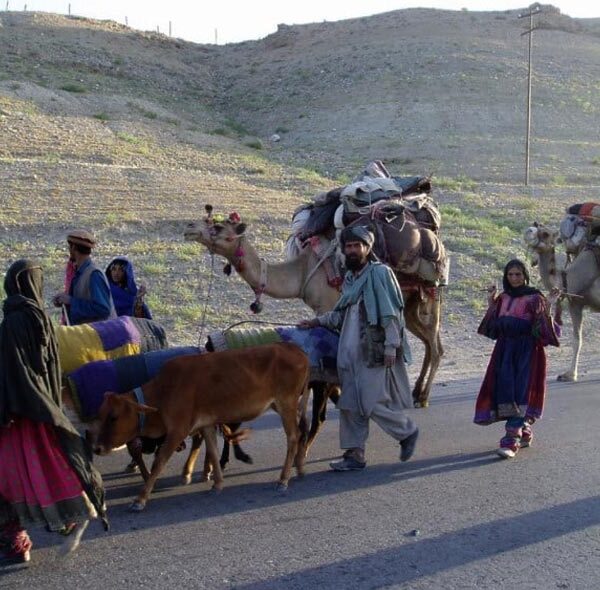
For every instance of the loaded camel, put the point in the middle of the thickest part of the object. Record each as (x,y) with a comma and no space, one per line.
(304,277)
(580,282)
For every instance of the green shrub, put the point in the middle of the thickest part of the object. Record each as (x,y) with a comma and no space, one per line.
(72,87)
(221,131)
(254,143)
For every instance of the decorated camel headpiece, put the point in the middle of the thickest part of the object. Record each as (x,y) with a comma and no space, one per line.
(215,223)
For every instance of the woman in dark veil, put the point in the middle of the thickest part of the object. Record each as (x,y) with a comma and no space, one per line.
(46,475)
(514,386)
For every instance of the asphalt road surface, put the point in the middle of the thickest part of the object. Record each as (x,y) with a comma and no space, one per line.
(454,517)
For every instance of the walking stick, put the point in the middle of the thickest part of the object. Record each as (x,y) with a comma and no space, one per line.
(65,315)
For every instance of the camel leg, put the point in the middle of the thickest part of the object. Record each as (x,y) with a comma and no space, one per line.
(435,348)
(422,317)
(576,312)
(188,468)
(416,325)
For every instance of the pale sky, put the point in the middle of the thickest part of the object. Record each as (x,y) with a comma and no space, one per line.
(231,21)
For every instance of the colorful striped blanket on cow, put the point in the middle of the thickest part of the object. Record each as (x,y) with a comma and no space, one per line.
(90,382)
(111,339)
(319,344)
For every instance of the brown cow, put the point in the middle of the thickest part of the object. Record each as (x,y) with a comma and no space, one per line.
(192,393)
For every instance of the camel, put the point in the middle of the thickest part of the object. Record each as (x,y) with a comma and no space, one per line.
(304,278)
(580,282)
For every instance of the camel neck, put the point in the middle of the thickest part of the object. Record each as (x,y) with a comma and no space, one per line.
(547,268)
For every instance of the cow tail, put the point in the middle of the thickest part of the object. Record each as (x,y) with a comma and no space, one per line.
(303,422)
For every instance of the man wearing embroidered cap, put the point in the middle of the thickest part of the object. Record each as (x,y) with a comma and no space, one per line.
(372,353)
(88,298)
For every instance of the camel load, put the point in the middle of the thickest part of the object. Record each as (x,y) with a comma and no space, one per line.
(319,344)
(109,339)
(403,216)
(580,227)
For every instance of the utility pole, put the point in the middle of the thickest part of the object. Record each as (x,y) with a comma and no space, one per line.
(533,9)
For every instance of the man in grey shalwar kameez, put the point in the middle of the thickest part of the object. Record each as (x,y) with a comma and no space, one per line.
(372,353)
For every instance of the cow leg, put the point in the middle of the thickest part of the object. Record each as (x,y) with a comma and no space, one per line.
(232,435)
(322,393)
(212,453)
(289,418)
(301,449)
(225,454)
(319,410)
(135,450)
(167,449)
(188,468)
(240,455)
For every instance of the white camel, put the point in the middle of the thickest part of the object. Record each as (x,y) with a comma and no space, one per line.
(580,282)
(304,277)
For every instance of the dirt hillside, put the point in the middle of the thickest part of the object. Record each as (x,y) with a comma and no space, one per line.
(130,133)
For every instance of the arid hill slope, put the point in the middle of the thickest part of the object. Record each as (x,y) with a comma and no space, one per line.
(130,133)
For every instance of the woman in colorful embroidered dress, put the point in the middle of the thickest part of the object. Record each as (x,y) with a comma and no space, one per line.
(46,477)
(127,296)
(514,386)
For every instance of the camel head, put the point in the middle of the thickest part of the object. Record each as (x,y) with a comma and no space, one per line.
(540,238)
(220,234)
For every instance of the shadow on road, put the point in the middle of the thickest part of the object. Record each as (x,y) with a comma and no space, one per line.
(196,502)
(428,557)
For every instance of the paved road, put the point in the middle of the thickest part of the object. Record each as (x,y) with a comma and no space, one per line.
(453,517)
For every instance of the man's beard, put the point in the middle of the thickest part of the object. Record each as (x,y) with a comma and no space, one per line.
(355,262)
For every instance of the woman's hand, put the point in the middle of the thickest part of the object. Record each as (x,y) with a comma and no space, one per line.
(554,296)
(307,324)
(491,291)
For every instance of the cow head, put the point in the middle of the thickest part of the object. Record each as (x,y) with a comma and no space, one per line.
(119,421)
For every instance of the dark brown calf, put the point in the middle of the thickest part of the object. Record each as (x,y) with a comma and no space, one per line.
(193,393)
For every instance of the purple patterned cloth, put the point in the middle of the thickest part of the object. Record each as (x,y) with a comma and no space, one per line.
(319,344)
(117,332)
(90,382)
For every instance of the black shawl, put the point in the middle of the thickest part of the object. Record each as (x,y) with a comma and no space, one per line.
(30,383)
